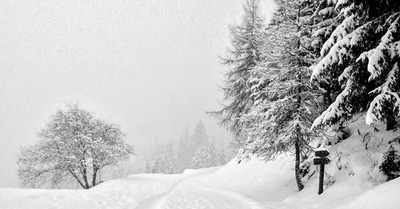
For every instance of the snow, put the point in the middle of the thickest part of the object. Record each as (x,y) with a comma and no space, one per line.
(334,110)
(340,3)
(384,193)
(321,148)
(326,11)
(346,74)
(338,53)
(340,50)
(375,109)
(339,33)
(352,181)
(377,58)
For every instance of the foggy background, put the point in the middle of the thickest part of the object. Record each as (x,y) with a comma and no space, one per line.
(150,66)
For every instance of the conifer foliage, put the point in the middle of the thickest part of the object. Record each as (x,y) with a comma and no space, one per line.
(362,55)
(286,103)
(204,150)
(205,156)
(318,63)
(242,58)
(391,164)
(191,152)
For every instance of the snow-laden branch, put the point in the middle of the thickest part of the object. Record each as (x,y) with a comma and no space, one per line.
(341,52)
(385,51)
(376,110)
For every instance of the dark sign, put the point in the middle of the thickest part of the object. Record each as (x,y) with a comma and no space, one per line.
(321,153)
(319,160)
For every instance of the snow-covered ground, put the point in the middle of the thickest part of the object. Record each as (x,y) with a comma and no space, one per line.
(247,185)
(353,181)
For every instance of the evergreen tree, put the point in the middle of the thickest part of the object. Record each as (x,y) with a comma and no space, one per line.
(325,24)
(163,160)
(287,103)
(170,164)
(199,135)
(391,164)
(205,156)
(362,55)
(153,163)
(242,58)
(154,160)
(185,151)
(204,150)
(182,155)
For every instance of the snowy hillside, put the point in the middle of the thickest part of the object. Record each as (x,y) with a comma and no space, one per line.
(352,181)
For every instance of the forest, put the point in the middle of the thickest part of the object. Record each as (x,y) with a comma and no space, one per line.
(307,72)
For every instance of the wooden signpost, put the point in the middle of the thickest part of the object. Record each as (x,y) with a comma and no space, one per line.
(321,159)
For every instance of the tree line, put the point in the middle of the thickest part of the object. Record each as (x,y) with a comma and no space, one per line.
(76,146)
(192,151)
(312,67)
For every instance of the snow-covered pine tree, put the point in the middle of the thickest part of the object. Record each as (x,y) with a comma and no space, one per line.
(199,137)
(204,152)
(325,21)
(185,151)
(181,155)
(362,54)
(391,164)
(162,160)
(205,156)
(153,161)
(169,161)
(242,58)
(288,103)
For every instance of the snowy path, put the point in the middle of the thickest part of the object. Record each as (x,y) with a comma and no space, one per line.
(145,191)
(189,193)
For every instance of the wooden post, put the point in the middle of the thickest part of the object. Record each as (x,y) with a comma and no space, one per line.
(321,178)
(321,159)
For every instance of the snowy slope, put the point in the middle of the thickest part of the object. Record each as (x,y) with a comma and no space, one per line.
(353,181)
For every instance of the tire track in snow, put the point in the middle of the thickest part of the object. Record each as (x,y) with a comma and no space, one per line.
(191,194)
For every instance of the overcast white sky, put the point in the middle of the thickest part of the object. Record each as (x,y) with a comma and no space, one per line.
(150,66)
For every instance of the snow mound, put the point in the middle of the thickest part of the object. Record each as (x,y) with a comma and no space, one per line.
(382,196)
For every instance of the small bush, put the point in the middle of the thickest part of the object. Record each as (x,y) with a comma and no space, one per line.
(391,164)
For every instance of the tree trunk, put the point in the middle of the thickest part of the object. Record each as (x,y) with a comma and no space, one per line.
(71,171)
(95,169)
(297,166)
(297,140)
(85,179)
